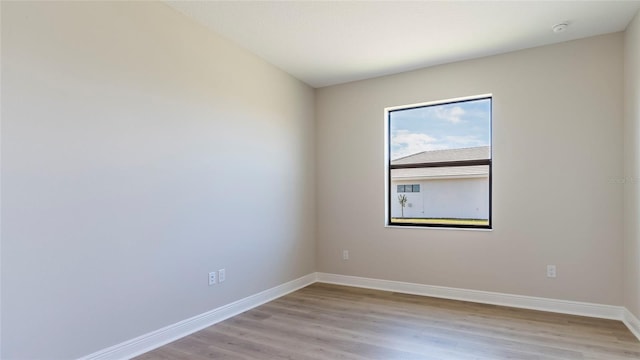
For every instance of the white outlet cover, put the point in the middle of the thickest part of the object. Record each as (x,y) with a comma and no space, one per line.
(551,271)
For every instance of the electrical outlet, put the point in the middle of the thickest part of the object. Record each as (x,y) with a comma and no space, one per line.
(551,271)
(345,254)
(222,275)
(212,278)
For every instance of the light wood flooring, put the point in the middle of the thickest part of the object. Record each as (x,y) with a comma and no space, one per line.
(324,321)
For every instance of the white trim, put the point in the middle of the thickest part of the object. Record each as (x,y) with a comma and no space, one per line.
(631,322)
(155,339)
(439,177)
(483,297)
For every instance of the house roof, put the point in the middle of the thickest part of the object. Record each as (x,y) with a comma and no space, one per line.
(472,153)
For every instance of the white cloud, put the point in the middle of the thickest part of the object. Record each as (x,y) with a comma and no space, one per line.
(450,114)
(464,140)
(406,143)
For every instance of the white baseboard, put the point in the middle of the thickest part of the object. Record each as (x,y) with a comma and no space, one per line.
(631,322)
(155,339)
(484,297)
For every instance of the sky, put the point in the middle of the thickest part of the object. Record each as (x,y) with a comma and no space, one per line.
(437,127)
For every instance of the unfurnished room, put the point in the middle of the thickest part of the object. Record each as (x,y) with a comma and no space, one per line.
(319,180)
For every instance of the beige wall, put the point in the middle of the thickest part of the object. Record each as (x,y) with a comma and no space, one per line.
(632,169)
(140,151)
(557,198)
(133,143)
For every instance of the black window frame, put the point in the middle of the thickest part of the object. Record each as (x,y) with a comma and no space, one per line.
(488,162)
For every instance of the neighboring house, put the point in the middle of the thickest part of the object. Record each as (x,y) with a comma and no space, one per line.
(460,192)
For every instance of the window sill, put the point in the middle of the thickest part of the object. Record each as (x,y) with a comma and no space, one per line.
(434,228)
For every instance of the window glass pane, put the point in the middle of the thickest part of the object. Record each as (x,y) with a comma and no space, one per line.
(453,195)
(400,188)
(458,125)
(422,141)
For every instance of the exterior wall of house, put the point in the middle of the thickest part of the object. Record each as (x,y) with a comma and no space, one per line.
(444,198)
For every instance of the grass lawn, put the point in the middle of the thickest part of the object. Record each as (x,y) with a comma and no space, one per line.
(441,221)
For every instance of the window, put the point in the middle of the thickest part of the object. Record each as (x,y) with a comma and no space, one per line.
(408,188)
(438,164)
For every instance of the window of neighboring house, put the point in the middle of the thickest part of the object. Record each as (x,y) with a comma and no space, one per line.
(408,188)
(438,161)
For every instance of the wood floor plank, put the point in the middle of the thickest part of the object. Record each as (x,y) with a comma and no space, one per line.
(323,321)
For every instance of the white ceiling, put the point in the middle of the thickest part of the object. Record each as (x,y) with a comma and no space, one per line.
(330,42)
